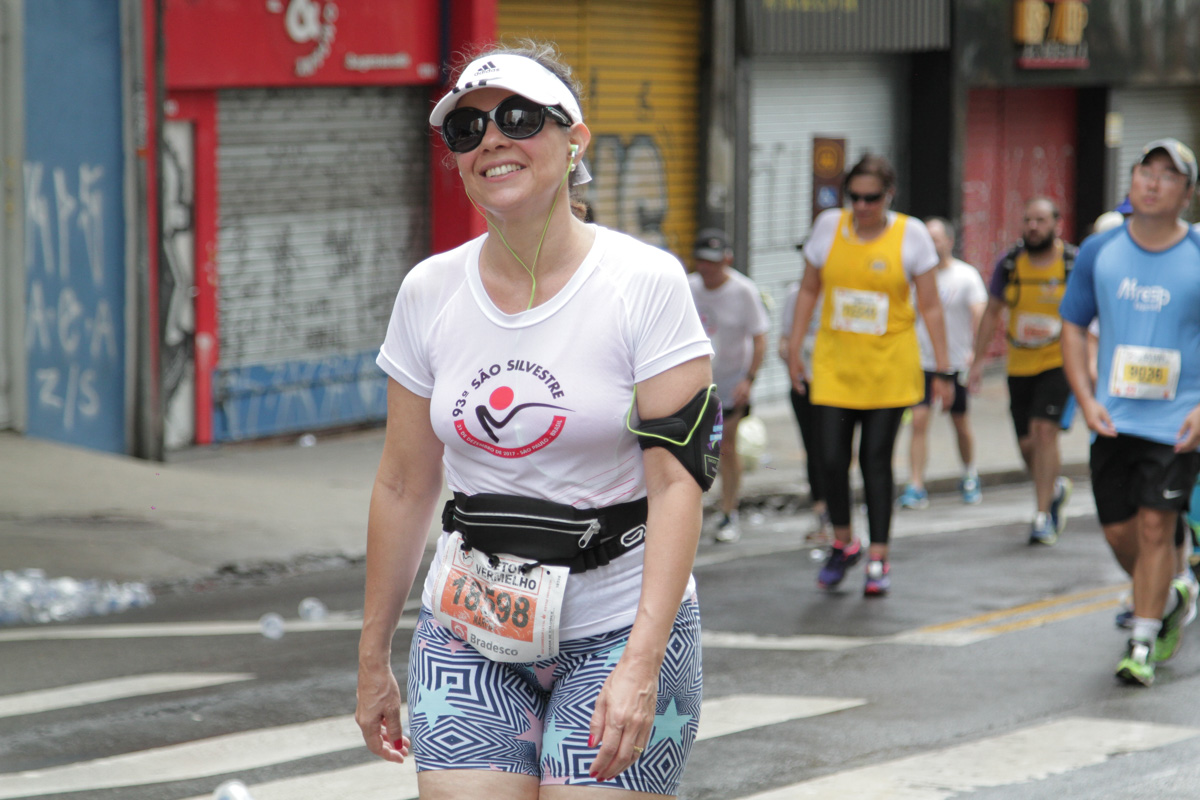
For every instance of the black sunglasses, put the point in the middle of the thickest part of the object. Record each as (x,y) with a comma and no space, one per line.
(517,118)
(865,198)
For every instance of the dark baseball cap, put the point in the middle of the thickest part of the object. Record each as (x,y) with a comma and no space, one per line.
(711,245)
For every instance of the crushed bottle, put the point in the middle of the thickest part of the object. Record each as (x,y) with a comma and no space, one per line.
(271,625)
(28,596)
(312,610)
(232,790)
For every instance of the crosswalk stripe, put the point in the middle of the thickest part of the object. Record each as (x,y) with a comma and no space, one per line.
(241,752)
(1026,755)
(155,630)
(81,694)
(237,752)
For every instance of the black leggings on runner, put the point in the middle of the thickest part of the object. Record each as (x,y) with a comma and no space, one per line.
(877,440)
(810,437)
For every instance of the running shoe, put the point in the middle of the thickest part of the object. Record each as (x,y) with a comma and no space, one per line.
(1171,633)
(1062,495)
(1124,618)
(914,498)
(841,558)
(728,530)
(1042,532)
(878,581)
(1136,668)
(971,495)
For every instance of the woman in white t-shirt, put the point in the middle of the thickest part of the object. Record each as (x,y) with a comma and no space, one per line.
(522,363)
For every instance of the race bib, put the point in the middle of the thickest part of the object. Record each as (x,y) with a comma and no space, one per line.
(1144,373)
(860,312)
(504,612)
(1037,330)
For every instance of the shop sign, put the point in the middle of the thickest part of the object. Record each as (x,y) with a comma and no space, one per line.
(829,171)
(1050,33)
(226,43)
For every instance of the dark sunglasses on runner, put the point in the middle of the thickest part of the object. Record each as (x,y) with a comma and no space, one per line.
(517,117)
(875,197)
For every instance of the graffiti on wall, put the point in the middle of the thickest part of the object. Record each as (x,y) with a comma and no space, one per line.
(72,333)
(628,191)
(176,286)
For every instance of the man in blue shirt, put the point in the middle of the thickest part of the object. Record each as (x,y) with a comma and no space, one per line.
(1142,281)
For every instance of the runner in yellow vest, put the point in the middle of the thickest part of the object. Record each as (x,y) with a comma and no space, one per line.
(866,367)
(1029,281)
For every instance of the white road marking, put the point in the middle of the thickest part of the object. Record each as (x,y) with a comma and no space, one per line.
(753,641)
(156,630)
(241,752)
(383,781)
(741,712)
(237,752)
(115,689)
(1026,755)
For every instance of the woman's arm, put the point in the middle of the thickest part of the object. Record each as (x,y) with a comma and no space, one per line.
(806,302)
(930,306)
(407,486)
(625,709)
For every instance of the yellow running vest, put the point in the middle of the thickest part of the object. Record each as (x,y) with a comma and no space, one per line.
(1034,325)
(866,353)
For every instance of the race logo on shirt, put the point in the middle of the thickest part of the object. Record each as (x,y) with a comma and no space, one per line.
(506,410)
(1145,298)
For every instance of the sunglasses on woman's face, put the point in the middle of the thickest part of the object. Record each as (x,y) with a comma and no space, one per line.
(517,118)
(874,197)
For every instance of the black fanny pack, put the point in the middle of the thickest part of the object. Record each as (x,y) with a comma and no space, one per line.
(549,533)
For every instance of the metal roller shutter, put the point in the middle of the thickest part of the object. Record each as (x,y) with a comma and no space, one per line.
(1150,114)
(639,64)
(323,208)
(860,100)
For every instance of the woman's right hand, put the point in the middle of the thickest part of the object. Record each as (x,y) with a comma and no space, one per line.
(798,373)
(378,713)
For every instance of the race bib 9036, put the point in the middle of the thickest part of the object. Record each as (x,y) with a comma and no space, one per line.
(505,609)
(1144,373)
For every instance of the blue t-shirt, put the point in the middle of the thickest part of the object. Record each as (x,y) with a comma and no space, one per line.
(1146,300)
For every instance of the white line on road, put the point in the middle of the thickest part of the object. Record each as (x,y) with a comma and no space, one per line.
(81,694)
(157,630)
(1027,755)
(234,753)
(241,752)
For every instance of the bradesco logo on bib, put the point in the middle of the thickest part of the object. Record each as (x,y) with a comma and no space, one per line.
(511,409)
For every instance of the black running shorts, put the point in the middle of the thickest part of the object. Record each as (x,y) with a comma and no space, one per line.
(1129,473)
(1043,396)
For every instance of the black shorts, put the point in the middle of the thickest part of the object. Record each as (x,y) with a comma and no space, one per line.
(1129,473)
(960,394)
(1043,396)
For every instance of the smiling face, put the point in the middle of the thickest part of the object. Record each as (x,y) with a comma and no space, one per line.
(504,174)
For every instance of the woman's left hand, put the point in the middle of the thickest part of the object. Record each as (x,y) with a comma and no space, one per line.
(624,717)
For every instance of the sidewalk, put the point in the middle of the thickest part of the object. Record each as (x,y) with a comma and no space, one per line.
(83,514)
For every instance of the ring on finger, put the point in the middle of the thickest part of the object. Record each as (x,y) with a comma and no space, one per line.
(638,750)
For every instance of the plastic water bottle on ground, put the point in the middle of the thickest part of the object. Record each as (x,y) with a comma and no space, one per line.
(232,790)
(312,610)
(271,625)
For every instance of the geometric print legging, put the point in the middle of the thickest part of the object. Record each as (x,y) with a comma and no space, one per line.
(469,712)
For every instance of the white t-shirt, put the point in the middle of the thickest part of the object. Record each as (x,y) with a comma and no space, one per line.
(534,403)
(960,286)
(916,250)
(732,315)
(788,319)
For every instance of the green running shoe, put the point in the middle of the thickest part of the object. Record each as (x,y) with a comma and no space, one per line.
(1136,668)
(1171,633)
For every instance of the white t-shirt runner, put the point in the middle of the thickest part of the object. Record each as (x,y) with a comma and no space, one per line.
(960,286)
(534,403)
(732,315)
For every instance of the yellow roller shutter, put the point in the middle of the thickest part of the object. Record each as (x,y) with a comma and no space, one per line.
(640,67)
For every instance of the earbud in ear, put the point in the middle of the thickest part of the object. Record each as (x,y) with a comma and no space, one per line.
(574,152)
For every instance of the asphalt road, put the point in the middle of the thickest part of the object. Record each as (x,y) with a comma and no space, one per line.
(987,673)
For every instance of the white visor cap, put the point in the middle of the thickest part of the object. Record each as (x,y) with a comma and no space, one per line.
(519,75)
